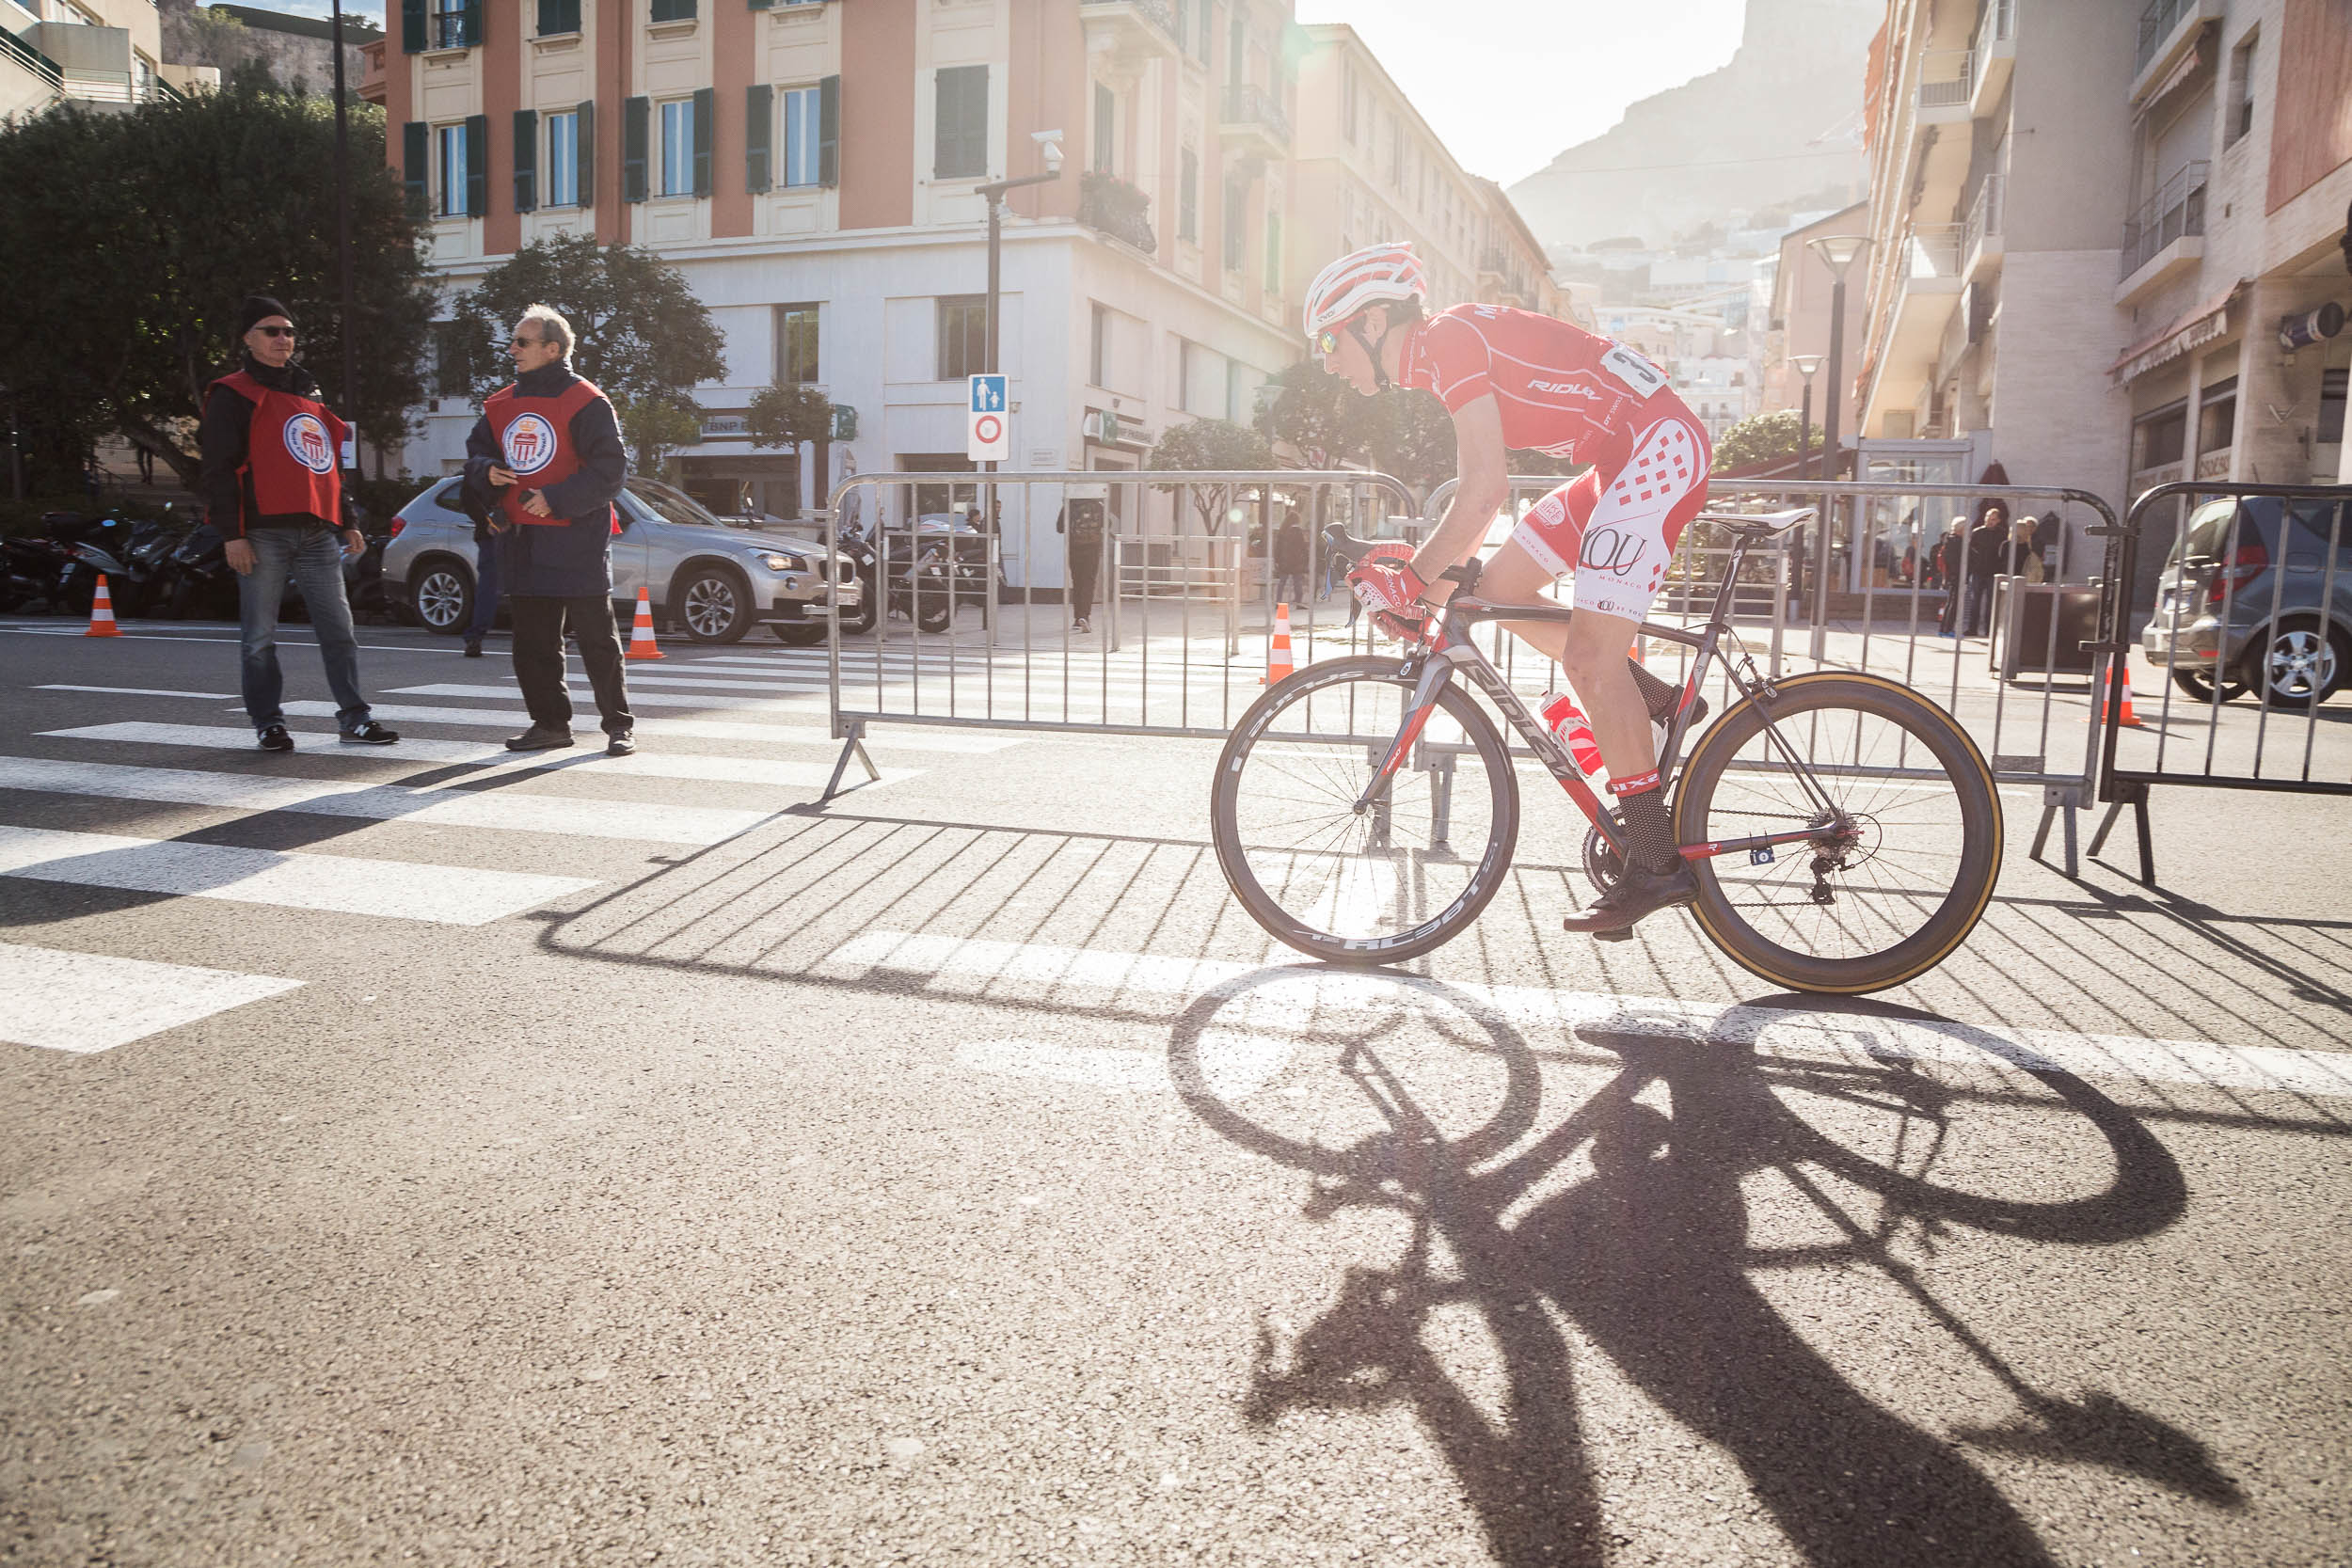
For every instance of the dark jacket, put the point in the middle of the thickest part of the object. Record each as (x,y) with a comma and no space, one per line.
(1944,563)
(545,561)
(224,437)
(1986,545)
(1290,551)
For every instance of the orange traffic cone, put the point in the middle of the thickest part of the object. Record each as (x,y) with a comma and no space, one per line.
(1277,665)
(641,643)
(2126,717)
(102,612)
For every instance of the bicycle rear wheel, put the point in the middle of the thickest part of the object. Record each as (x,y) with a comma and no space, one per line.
(1386,884)
(1910,844)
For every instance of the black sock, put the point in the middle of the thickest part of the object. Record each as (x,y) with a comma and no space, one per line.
(1649,834)
(1657,696)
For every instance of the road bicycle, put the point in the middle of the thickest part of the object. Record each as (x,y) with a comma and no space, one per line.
(1844,830)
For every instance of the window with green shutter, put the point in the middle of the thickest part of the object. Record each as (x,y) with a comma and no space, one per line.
(526,160)
(636,131)
(829,132)
(412,37)
(671,10)
(960,129)
(1236,222)
(557,16)
(586,147)
(759,132)
(706,124)
(477,164)
(415,157)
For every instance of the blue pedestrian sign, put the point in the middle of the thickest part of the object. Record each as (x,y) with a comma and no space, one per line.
(989,435)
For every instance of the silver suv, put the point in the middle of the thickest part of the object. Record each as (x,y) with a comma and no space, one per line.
(715,580)
(2250,597)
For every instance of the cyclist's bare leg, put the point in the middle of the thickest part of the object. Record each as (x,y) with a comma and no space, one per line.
(1590,648)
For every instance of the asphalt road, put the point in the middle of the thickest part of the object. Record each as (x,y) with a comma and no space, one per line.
(595,1164)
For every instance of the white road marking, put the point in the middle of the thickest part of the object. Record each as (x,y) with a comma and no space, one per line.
(504,809)
(800,705)
(683,729)
(1233,1064)
(588,756)
(144,692)
(1294,995)
(341,884)
(85,1001)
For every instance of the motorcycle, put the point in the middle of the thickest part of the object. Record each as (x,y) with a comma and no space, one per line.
(31,567)
(195,578)
(105,546)
(936,582)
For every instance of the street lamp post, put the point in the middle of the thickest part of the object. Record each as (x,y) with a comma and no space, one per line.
(1837,253)
(1807,366)
(993,194)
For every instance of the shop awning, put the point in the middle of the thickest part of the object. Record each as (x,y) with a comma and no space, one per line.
(2200,324)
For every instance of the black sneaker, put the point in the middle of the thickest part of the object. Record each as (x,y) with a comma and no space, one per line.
(1641,893)
(275,738)
(622,745)
(367,732)
(539,739)
(473,649)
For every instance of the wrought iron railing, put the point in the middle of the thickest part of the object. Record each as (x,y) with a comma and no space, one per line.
(2176,211)
(1248,103)
(1157,12)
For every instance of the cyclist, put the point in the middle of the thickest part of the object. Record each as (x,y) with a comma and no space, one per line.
(1513,378)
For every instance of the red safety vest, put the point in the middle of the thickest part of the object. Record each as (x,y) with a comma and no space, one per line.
(293,455)
(535,436)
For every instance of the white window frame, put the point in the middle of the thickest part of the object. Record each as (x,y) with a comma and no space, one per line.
(803,125)
(676,162)
(562,158)
(449,170)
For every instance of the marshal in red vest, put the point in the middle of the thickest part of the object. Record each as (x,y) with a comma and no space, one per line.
(535,436)
(293,457)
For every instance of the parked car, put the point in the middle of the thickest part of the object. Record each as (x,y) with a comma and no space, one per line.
(715,580)
(2264,563)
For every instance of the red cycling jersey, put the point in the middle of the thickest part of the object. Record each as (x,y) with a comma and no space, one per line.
(1562,390)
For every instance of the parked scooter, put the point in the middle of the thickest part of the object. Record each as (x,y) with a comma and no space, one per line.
(103,546)
(196,577)
(31,568)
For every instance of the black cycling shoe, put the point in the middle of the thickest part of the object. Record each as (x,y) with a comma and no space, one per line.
(1698,717)
(1641,893)
(275,738)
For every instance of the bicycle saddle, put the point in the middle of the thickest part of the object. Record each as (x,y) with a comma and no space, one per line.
(1759,525)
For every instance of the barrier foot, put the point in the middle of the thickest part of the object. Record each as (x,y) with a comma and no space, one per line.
(852,745)
(2136,797)
(2053,801)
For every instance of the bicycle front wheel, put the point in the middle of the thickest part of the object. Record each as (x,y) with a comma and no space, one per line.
(1909,842)
(1402,874)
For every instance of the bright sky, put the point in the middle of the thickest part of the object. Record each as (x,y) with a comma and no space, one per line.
(1507,84)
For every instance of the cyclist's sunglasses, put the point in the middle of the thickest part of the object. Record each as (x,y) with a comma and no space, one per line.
(1327,343)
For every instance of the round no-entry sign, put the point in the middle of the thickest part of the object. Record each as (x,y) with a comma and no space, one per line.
(988,429)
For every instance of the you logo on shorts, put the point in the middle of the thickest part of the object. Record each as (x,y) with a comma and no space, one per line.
(530,444)
(308,443)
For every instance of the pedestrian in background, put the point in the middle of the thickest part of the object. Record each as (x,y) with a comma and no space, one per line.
(1986,543)
(1290,559)
(1948,566)
(2021,557)
(485,578)
(1080,523)
(2048,536)
(272,479)
(546,461)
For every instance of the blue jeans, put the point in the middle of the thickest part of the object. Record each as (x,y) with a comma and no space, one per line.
(485,591)
(313,557)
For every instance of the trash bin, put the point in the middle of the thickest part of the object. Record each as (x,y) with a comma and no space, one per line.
(2022,616)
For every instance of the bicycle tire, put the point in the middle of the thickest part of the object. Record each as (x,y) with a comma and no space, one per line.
(1976,859)
(1233,853)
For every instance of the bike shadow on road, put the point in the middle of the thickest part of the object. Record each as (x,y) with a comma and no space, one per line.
(1649,1258)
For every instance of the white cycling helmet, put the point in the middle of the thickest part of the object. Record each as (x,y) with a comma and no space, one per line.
(1375,274)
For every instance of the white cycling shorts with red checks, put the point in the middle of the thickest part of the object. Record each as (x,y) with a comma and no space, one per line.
(1617,529)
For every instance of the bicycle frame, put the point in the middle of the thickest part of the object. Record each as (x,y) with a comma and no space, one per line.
(1433,667)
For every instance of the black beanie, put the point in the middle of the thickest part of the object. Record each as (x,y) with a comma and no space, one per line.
(259,307)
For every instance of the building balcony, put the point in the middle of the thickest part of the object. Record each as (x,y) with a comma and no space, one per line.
(1252,118)
(1131,33)
(2167,236)
(1927,293)
(1109,205)
(2168,31)
(1995,54)
(1981,243)
(1944,80)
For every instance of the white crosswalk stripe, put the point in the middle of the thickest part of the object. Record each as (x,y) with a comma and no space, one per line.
(800,707)
(86,1002)
(343,884)
(644,764)
(777,734)
(1285,998)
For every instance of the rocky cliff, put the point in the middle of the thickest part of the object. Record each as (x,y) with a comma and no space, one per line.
(1781,121)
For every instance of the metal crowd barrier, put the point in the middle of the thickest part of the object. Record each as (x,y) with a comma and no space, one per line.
(1183,592)
(2248,616)
(1876,610)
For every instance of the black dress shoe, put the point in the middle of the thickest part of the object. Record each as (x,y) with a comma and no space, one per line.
(539,739)
(1641,893)
(622,745)
(275,738)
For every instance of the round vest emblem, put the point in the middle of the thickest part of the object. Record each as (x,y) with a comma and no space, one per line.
(307,440)
(530,443)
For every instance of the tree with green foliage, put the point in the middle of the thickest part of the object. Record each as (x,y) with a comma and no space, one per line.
(1210,445)
(1763,438)
(1314,412)
(787,414)
(638,332)
(131,236)
(1412,438)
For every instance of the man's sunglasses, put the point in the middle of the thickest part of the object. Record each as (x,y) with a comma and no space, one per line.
(1327,343)
(524,342)
(275,331)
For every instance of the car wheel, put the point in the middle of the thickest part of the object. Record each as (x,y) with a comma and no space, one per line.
(714,606)
(442,598)
(2198,686)
(2298,665)
(804,636)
